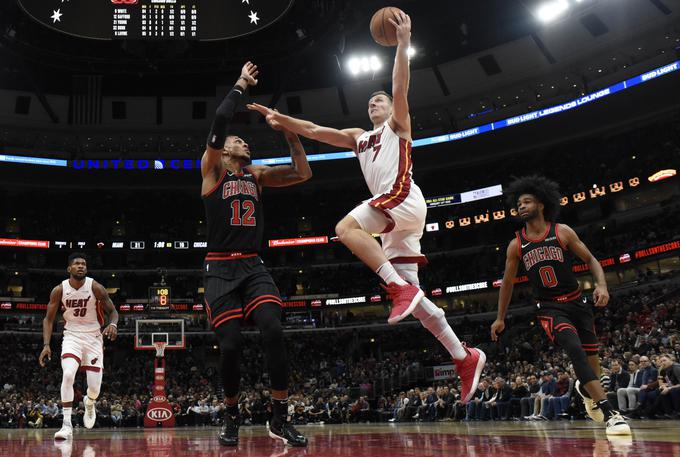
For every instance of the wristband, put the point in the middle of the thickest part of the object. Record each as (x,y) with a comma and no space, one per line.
(115,325)
(46,344)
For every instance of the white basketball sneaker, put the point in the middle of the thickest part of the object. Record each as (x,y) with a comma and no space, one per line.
(617,425)
(65,433)
(90,413)
(593,411)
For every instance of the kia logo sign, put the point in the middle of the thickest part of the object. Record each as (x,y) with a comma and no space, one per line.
(159,399)
(159,414)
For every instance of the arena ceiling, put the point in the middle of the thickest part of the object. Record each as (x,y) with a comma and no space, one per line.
(306,49)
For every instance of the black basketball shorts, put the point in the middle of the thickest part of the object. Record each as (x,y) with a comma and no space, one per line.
(573,316)
(235,287)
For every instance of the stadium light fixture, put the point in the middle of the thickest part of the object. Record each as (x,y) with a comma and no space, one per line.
(365,64)
(551,10)
(411,52)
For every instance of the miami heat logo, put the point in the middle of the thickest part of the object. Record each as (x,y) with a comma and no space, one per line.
(93,361)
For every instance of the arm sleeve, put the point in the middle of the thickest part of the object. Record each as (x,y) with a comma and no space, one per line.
(223,117)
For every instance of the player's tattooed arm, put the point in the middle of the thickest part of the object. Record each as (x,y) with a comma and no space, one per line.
(508,284)
(346,138)
(111,330)
(285,175)
(400,121)
(571,241)
(48,324)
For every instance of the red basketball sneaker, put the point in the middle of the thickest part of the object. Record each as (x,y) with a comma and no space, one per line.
(404,300)
(469,370)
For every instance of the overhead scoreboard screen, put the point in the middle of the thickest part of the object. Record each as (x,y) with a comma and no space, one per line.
(156,19)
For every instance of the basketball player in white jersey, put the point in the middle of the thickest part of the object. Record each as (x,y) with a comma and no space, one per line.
(397,210)
(83,302)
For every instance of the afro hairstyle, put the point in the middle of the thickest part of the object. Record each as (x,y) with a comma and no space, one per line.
(546,192)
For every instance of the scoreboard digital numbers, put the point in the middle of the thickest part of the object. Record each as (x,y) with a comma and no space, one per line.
(156,19)
(159,299)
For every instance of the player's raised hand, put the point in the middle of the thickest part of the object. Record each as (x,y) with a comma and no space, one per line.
(110,332)
(263,110)
(497,327)
(45,354)
(403,26)
(249,73)
(601,296)
(272,122)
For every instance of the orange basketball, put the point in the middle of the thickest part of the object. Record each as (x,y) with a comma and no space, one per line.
(382,31)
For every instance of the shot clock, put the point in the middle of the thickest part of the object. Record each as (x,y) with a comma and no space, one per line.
(159,299)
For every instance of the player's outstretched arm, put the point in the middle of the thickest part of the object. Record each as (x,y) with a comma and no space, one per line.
(346,138)
(400,121)
(508,284)
(111,330)
(212,157)
(571,241)
(48,324)
(285,175)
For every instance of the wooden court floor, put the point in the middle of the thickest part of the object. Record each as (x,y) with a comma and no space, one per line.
(480,439)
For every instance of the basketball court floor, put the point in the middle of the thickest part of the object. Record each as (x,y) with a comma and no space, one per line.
(481,439)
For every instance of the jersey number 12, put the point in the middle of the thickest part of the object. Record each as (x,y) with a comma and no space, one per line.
(248,209)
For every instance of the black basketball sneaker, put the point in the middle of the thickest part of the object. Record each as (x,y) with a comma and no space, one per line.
(285,432)
(229,433)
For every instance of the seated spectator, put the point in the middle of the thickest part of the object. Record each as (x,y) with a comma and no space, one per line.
(500,406)
(116,413)
(520,390)
(527,403)
(619,379)
(544,394)
(50,414)
(319,412)
(667,403)
(627,396)
(559,402)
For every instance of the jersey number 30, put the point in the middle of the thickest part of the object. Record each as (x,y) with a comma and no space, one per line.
(548,276)
(248,209)
(79,312)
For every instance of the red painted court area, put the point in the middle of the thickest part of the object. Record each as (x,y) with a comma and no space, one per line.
(573,439)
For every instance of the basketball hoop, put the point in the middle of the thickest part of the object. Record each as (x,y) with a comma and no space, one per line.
(160,348)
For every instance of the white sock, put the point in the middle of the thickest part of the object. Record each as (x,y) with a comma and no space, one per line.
(67,416)
(433,319)
(388,274)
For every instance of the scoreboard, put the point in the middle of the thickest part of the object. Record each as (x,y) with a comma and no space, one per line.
(156,19)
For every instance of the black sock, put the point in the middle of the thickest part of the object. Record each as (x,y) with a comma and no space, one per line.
(232,410)
(279,411)
(606,408)
(583,390)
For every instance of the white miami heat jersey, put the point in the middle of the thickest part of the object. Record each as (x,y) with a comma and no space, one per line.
(385,160)
(82,313)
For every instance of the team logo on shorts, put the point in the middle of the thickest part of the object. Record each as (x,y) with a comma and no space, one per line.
(93,361)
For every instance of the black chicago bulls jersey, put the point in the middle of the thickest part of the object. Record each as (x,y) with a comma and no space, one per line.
(549,266)
(234,214)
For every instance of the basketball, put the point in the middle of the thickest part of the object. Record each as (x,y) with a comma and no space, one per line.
(382,31)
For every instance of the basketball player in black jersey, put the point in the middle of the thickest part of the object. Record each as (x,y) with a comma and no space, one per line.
(238,287)
(546,249)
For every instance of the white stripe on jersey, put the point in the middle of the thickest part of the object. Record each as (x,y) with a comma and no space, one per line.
(81,312)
